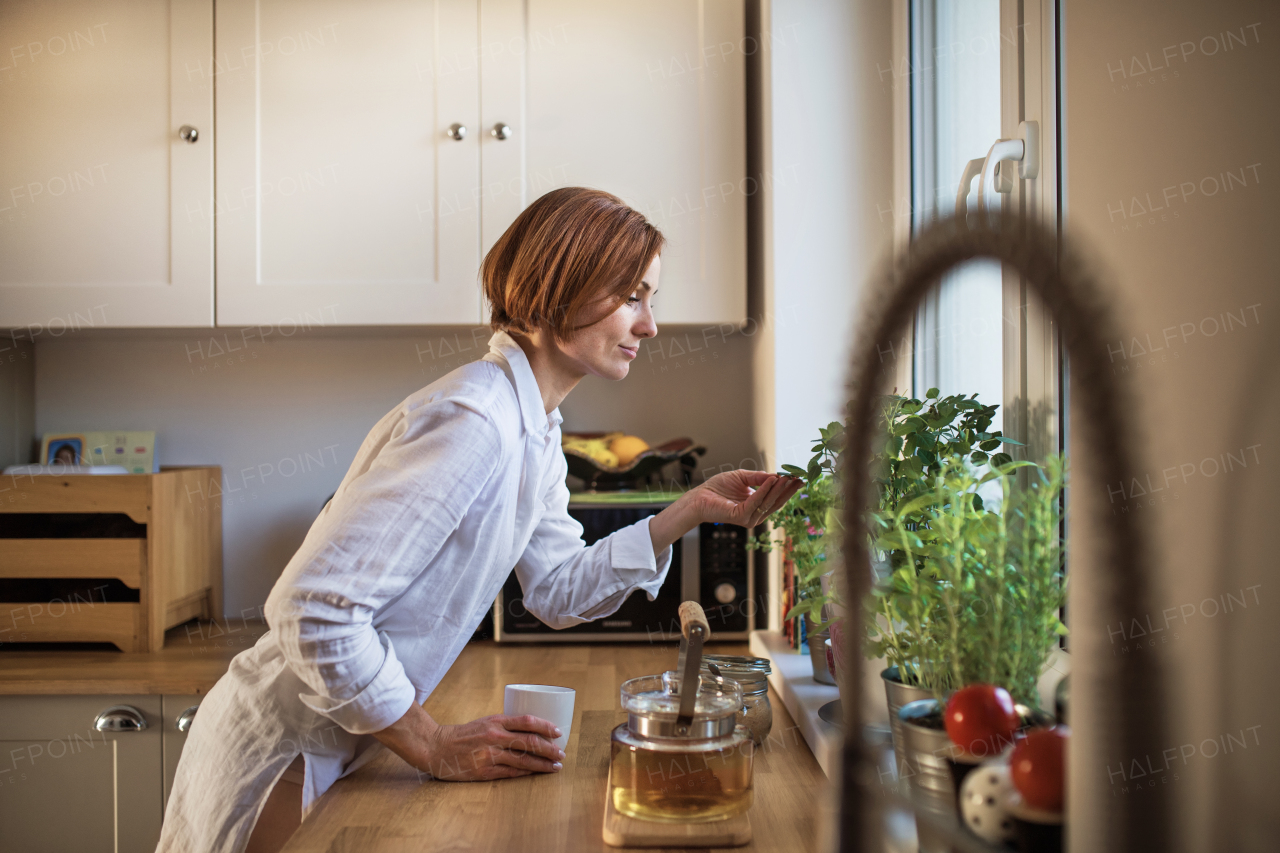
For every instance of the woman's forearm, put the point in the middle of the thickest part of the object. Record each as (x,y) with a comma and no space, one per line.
(673,522)
(411,736)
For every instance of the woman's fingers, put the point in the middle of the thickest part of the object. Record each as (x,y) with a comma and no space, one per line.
(753,478)
(525,761)
(786,494)
(776,496)
(529,723)
(531,734)
(752,506)
(503,771)
(533,745)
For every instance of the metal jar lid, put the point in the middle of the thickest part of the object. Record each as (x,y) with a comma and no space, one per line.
(750,672)
(699,729)
(652,706)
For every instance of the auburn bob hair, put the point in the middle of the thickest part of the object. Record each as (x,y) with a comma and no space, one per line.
(572,249)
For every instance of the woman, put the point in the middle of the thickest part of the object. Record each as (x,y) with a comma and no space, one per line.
(459,483)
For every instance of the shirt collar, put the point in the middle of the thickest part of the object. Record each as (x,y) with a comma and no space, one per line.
(536,420)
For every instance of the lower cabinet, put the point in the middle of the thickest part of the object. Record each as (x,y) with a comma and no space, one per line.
(178,712)
(86,773)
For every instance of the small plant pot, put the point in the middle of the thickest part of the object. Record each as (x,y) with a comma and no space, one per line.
(927,753)
(924,763)
(835,661)
(818,657)
(897,695)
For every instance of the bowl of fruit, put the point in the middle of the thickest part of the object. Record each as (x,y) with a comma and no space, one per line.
(614,461)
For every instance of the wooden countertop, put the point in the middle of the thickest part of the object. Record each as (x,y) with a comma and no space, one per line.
(195,655)
(386,806)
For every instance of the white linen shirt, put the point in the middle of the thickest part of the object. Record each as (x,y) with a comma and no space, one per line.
(458,484)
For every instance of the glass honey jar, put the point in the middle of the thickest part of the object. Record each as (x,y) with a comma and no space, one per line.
(663,771)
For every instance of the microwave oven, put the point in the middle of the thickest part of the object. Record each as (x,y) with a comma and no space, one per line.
(710,564)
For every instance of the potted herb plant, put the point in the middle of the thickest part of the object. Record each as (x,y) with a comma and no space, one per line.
(809,525)
(918,436)
(974,599)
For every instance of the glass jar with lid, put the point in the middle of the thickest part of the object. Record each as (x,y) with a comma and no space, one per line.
(752,675)
(663,770)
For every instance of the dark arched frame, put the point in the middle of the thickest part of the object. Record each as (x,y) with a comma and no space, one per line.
(1086,323)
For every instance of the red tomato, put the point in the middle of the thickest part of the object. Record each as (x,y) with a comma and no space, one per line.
(1038,767)
(981,719)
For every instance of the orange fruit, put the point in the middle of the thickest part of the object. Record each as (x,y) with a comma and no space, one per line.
(627,448)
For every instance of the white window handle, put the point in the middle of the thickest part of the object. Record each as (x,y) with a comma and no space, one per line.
(972,169)
(1026,150)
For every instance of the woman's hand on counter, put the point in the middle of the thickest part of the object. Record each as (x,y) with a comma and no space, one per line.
(496,747)
(739,497)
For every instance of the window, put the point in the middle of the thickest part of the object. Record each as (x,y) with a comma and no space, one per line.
(979,68)
(955,110)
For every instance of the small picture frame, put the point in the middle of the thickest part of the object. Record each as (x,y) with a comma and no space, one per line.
(63,450)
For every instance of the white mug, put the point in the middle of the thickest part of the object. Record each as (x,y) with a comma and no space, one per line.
(554,704)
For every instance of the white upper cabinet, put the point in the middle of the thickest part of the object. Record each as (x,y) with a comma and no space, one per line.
(340,191)
(342,194)
(367,153)
(106,214)
(646,100)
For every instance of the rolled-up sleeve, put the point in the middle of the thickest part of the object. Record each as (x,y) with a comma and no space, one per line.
(566,582)
(374,539)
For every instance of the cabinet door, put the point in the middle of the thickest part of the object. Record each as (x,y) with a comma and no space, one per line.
(647,101)
(66,786)
(177,712)
(106,213)
(341,197)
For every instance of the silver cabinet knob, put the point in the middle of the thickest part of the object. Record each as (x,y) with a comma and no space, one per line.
(120,718)
(457,132)
(501,131)
(186,718)
(188,134)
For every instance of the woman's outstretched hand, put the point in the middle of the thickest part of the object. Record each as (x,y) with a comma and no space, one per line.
(735,497)
(743,497)
(496,747)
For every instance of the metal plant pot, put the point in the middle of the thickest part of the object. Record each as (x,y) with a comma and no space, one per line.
(925,764)
(898,695)
(925,752)
(818,657)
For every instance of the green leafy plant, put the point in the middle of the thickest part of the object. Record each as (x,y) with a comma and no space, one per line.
(918,436)
(964,594)
(977,593)
(810,522)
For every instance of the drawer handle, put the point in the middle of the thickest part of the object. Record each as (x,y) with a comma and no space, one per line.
(457,132)
(120,718)
(188,134)
(186,718)
(501,131)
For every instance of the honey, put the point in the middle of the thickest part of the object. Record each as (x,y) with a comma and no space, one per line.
(682,781)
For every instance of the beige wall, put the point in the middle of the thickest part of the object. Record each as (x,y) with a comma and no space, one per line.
(17,399)
(1160,109)
(284,413)
(826,140)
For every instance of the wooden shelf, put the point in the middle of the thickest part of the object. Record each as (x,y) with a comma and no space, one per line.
(122,559)
(792,680)
(174,562)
